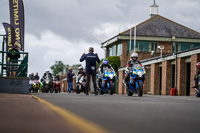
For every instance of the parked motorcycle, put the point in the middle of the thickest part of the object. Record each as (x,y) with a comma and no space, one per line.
(47,86)
(80,83)
(197,89)
(136,80)
(56,86)
(107,82)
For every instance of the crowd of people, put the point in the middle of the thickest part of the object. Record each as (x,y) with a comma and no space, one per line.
(91,71)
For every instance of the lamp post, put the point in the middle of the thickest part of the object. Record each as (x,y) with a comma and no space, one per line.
(161,48)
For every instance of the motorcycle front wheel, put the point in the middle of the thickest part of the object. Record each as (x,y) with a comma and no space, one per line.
(140,88)
(111,88)
(197,94)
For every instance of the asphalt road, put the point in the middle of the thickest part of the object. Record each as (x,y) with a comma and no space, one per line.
(123,114)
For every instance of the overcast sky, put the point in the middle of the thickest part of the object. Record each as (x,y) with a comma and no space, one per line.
(64,29)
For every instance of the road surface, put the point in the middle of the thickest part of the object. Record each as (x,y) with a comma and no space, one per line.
(123,114)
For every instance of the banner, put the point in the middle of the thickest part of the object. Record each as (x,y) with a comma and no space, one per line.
(9,40)
(17,22)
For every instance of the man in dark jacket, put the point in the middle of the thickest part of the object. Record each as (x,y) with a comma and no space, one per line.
(70,79)
(13,61)
(91,60)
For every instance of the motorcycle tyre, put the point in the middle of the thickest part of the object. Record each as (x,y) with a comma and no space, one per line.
(77,90)
(129,93)
(111,88)
(140,88)
(198,94)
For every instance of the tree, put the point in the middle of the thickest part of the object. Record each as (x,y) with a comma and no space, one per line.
(57,67)
(114,61)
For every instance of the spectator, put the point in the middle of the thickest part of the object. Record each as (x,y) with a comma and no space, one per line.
(70,79)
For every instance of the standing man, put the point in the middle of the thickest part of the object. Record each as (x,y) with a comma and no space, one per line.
(70,79)
(13,61)
(91,60)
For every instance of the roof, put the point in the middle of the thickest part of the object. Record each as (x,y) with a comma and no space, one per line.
(162,27)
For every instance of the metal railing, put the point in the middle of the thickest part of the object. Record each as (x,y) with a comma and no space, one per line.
(21,65)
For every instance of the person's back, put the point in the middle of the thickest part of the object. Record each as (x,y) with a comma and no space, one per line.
(91,60)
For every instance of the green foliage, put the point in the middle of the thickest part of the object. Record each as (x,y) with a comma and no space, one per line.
(57,67)
(114,61)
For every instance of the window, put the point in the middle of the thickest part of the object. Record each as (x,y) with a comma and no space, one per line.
(110,51)
(154,46)
(119,49)
(114,50)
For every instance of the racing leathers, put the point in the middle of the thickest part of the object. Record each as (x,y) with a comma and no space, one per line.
(130,64)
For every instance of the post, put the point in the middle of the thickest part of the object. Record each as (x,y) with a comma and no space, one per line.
(134,37)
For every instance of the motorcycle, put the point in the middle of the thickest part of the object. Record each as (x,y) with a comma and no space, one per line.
(80,83)
(47,86)
(107,82)
(56,86)
(36,86)
(197,89)
(31,85)
(136,80)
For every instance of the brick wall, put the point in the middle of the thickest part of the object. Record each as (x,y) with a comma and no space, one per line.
(181,68)
(124,56)
(194,59)
(167,47)
(121,88)
(166,77)
(154,79)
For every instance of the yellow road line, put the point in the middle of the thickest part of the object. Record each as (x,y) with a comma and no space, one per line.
(83,124)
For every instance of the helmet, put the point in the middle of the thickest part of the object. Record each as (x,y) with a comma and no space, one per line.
(105,61)
(36,73)
(80,68)
(198,65)
(47,70)
(134,55)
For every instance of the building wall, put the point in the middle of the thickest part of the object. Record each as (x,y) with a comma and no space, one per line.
(154,79)
(181,68)
(166,77)
(167,47)
(121,87)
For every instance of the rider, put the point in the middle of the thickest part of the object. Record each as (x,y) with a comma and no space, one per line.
(31,76)
(36,76)
(131,62)
(44,76)
(81,71)
(197,76)
(57,77)
(104,66)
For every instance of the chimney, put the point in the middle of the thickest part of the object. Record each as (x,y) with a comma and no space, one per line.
(154,9)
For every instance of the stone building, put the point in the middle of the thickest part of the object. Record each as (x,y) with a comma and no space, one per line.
(180,47)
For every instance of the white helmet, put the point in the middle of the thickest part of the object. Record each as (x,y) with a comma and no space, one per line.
(47,70)
(80,68)
(134,55)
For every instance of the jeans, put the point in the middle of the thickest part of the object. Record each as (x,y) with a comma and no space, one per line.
(70,86)
(93,80)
